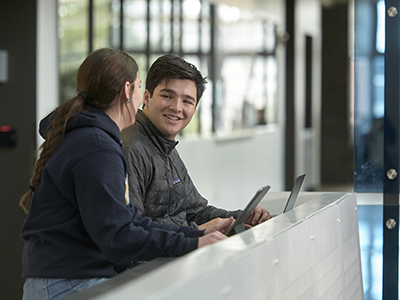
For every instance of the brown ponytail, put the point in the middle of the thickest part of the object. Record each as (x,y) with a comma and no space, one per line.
(55,134)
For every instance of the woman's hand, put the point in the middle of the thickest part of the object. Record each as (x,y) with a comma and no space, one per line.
(211,238)
(215,230)
(218,224)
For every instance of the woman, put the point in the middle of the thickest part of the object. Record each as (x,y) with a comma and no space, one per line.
(81,228)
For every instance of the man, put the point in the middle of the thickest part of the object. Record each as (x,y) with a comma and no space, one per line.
(159,184)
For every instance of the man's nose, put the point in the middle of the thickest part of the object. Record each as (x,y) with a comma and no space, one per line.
(176,104)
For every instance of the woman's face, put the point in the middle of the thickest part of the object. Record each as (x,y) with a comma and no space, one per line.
(134,103)
(137,97)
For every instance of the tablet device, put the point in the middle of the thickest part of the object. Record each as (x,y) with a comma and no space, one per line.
(238,225)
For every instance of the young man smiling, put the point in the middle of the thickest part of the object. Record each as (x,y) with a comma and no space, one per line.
(159,184)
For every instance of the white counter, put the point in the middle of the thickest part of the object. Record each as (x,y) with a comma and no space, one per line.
(311,252)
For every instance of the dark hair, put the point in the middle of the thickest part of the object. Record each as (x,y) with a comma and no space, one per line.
(100,79)
(170,66)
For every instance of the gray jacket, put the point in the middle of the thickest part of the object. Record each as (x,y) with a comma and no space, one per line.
(159,184)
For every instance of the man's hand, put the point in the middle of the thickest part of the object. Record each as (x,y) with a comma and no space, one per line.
(217,224)
(212,223)
(258,216)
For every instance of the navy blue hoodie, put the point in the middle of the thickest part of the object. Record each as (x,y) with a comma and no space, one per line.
(81,223)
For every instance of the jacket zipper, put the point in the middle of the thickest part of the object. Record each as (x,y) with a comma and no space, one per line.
(169,176)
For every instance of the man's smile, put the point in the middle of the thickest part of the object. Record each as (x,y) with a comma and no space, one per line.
(173,118)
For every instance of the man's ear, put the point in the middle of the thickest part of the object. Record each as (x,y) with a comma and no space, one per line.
(146,97)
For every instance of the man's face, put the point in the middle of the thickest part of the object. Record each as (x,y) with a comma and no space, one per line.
(172,106)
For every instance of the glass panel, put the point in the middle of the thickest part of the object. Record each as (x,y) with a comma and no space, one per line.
(247,92)
(368,137)
(205,27)
(73,36)
(369,98)
(190,27)
(246,89)
(160,26)
(237,101)
(103,20)
(271,90)
(235,26)
(135,25)
(176,26)
(115,24)
(205,105)
(193,127)
(270,37)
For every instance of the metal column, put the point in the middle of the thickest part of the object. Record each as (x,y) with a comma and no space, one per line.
(391,154)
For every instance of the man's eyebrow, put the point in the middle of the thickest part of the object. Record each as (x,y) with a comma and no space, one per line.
(168,91)
(175,93)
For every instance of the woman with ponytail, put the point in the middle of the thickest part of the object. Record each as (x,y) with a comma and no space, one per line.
(80,227)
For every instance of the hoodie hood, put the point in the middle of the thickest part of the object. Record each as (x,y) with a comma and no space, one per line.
(91,117)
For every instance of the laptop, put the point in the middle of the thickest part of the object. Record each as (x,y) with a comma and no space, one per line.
(238,225)
(291,201)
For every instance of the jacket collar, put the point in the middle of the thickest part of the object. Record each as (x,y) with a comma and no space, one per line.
(156,137)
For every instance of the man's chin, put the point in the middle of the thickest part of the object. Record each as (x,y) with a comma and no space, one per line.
(170,134)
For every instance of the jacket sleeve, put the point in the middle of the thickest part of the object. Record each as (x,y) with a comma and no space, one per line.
(139,177)
(115,225)
(211,212)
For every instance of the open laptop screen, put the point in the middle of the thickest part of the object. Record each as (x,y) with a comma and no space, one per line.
(294,193)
